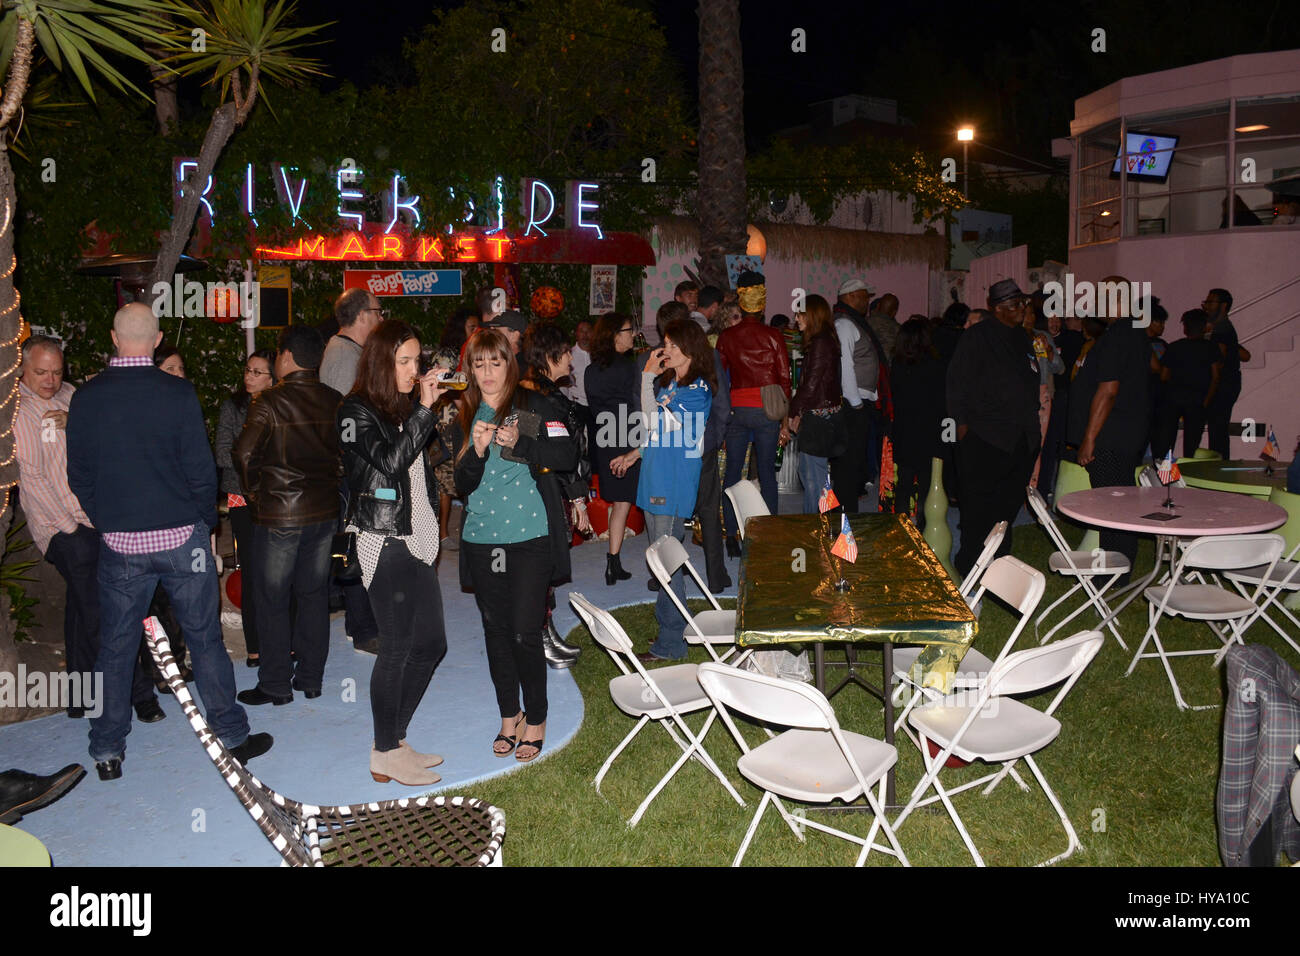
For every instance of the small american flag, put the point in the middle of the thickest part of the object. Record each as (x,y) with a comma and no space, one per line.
(1271,447)
(845,546)
(1168,470)
(827,501)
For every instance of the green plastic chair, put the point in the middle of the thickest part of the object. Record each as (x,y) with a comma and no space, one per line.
(1071,477)
(1205,454)
(1291,530)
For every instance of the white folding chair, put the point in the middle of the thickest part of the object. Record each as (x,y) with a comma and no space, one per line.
(993,726)
(1084,567)
(1206,602)
(1271,586)
(905,657)
(813,762)
(662,695)
(747,501)
(717,626)
(1014,582)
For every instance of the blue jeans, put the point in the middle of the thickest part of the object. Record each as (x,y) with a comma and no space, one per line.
(750,425)
(293,563)
(812,475)
(670,643)
(126,586)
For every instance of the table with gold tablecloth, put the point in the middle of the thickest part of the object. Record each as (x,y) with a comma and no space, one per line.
(898,592)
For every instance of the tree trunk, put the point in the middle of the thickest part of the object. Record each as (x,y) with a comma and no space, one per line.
(721,192)
(10,319)
(164,96)
(186,212)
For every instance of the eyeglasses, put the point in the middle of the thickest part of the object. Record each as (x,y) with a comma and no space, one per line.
(383,313)
(255,372)
(628,329)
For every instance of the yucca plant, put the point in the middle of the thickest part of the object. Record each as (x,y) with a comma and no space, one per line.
(13,575)
(241,45)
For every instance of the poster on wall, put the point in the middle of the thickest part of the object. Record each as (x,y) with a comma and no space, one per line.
(604,284)
(739,264)
(404,281)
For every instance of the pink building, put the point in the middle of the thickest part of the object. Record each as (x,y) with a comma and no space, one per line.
(1202,140)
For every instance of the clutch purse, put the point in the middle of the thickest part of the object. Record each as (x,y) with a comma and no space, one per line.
(343,556)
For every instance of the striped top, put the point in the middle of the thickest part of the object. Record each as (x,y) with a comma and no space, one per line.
(48,502)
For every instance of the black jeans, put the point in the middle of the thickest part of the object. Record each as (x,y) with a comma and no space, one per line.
(1193,415)
(241,523)
(1219,415)
(76,557)
(293,564)
(849,471)
(707,513)
(412,639)
(510,582)
(1110,468)
(993,483)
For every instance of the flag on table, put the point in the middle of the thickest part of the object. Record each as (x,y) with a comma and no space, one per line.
(1168,470)
(827,501)
(845,546)
(1271,448)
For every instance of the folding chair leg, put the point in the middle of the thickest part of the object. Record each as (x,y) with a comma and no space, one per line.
(883,824)
(753,826)
(1052,607)
(609,761)
(956,819)
(1007,768)
(1074,843)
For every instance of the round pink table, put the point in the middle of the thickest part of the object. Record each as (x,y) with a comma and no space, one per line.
(1198,512)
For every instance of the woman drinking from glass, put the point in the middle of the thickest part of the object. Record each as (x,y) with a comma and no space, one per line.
(392,509)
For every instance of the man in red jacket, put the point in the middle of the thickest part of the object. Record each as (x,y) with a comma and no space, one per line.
(754,355)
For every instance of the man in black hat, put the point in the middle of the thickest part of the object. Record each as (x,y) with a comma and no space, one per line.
(512,324)
(993,399)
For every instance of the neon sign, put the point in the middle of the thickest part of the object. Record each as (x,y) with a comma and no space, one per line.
(400,204)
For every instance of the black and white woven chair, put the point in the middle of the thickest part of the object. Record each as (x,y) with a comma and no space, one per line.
(412,831)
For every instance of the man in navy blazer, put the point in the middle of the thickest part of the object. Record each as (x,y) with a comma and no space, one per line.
(140,464)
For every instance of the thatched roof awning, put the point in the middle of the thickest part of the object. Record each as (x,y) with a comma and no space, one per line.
(856,247)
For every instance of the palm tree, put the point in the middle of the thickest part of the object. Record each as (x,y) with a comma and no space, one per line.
(69,33)
(721,190)
(244,43)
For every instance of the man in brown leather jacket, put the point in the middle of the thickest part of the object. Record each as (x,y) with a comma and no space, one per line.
(289,462)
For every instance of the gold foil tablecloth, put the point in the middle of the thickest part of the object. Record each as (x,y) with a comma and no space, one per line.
(897,590)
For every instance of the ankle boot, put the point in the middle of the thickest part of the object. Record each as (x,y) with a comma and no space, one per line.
(558,654)
(614,570)
(400,765)
(426,760)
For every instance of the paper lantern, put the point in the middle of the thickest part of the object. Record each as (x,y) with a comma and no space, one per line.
(235,588)
(547,302)
(757,244)
(222,304)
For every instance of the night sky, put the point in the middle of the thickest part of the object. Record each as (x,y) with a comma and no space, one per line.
(1013,69)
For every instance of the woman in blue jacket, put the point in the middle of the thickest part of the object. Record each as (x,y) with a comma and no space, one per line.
(677,386)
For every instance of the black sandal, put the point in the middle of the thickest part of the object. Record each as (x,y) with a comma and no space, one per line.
(537,750)
(509,740)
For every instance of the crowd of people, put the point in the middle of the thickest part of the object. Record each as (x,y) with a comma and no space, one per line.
(350,457)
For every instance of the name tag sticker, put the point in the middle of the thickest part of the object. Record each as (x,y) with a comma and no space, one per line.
(386,494)
(556,430)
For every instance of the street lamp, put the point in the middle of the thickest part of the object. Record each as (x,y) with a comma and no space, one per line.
(964,136)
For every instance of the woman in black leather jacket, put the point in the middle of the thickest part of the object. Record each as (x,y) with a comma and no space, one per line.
(509,454)
(547,353)
(393,509)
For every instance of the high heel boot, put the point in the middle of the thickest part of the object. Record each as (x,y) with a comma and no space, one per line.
(558,654)
(614,570)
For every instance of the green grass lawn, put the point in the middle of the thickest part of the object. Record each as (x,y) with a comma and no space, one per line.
(1136,775)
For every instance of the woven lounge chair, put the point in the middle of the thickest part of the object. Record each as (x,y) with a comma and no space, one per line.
(412,831)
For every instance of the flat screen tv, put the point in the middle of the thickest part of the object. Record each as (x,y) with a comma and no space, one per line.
(1147,157)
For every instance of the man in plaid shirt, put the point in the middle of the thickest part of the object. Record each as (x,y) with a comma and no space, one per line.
(140,464)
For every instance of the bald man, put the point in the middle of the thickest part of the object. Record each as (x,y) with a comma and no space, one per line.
(140,465)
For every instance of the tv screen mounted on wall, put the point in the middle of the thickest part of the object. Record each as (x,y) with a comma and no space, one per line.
(1147,157)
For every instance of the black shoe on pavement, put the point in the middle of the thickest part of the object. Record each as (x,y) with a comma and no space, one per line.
(309,693)
(22,792)
(653,584)
(719,588)
(369,645)
(109,769)
(149,711)
(733,547)
(254,746)
(255,697)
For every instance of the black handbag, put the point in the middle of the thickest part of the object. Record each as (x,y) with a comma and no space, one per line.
(343,556)
(822,436)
